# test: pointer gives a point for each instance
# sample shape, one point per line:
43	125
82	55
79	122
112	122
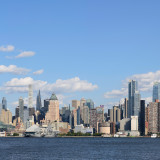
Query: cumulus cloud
116	93
13	69
38	72
26	54
8	48
60	86
145	84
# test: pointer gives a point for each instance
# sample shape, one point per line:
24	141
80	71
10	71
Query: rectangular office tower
156	91
132	88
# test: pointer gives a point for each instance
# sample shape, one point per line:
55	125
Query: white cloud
13	69
38	72
8	48
145	84
25	54
60	86
116	93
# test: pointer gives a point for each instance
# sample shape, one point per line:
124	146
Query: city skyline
87	54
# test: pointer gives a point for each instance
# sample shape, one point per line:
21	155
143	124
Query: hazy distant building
53	109
4	103
30	96
82	104
38	102
75	104
156	91
90	104
132	88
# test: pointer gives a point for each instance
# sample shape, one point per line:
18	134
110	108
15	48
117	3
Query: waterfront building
17	112
90	104
96	116
146	119
134	123
82	129
112	128
38	102
154	117
104	128
111	115
142	118
132	88
53	109
125	124
156	91
4	103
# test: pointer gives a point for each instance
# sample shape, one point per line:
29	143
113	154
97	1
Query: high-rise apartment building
82	104
53	109
156	91
132	88
142	118
21	109
38	102
154	117
86	115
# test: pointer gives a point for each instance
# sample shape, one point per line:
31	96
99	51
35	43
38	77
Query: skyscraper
137	104
4	103
156	91
90	104
132	88
53	109
154	120
30	96
21	109
38	102
75	104
142	118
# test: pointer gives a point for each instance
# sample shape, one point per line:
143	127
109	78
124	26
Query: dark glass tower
38	103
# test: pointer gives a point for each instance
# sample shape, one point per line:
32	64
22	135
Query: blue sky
103	43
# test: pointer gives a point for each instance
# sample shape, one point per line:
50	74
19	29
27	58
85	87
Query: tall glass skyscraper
156	91
132	88
90	104
21	109
38	103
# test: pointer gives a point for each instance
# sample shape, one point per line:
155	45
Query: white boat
154	136
116	136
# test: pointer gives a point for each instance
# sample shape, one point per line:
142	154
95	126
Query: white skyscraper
30	96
